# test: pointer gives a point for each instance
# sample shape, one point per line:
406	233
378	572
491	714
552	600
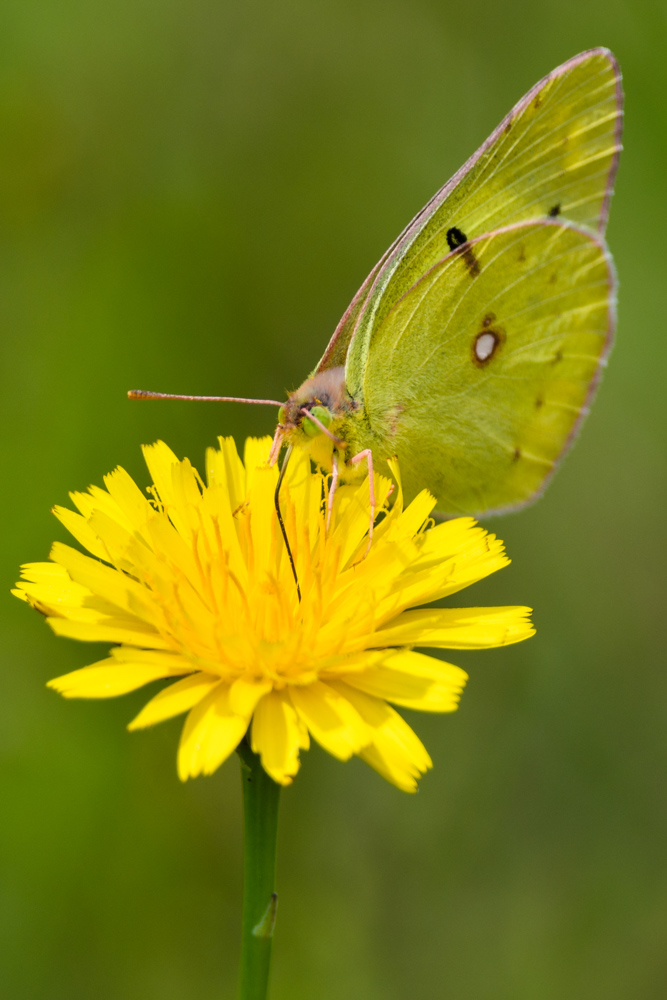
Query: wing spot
554	211
558	356
458	243
485	346
539	403
488	319
455	238
517	455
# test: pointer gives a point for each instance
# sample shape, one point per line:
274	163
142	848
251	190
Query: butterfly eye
320	413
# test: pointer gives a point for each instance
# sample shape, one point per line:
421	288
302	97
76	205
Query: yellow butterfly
472	349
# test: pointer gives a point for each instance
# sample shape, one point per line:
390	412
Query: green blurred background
190	193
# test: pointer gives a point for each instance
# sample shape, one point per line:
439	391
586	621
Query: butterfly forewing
554	155
477	385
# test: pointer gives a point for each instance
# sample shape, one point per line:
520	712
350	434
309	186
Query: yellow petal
352	516
174	700
225	469
97	499
172	664
331	719
78	527
412	680
116	587
244	695
303	491
408	523
163	466
135	633
456	628
256	456
106	679
50	585
395	752
174	549
277	737
133	503
262	523
337	666
115	537
186	494
210	734
444	562
159	458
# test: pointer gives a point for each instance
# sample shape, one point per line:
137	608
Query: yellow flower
195	583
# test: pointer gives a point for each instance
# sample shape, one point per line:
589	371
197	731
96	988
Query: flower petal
277	736
175	699
244	695
115	587
172	664
134	505
97	499
256	456
264	552
160	458
78	527
352	515
412	680
210	734
409	521
456	628
134	632
107	679
450	557
50	588
330	717
395	751
225	469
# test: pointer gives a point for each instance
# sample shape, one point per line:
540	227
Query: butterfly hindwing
477	382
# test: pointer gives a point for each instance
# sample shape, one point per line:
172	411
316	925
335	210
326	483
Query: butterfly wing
479	376
555	153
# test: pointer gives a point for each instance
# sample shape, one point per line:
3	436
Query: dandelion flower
194	582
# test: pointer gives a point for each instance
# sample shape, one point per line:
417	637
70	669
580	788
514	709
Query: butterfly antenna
276	498
146	394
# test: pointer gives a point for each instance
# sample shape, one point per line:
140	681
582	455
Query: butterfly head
312	415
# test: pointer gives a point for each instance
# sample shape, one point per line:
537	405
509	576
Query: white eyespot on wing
485	345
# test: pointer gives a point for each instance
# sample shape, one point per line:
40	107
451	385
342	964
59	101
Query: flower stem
260	811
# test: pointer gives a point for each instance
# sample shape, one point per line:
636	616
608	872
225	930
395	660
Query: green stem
260	825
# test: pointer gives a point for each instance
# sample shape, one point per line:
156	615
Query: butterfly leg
332	489
368	455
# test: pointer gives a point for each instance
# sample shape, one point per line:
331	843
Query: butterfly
472	350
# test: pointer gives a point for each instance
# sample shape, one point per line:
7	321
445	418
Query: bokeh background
190	193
